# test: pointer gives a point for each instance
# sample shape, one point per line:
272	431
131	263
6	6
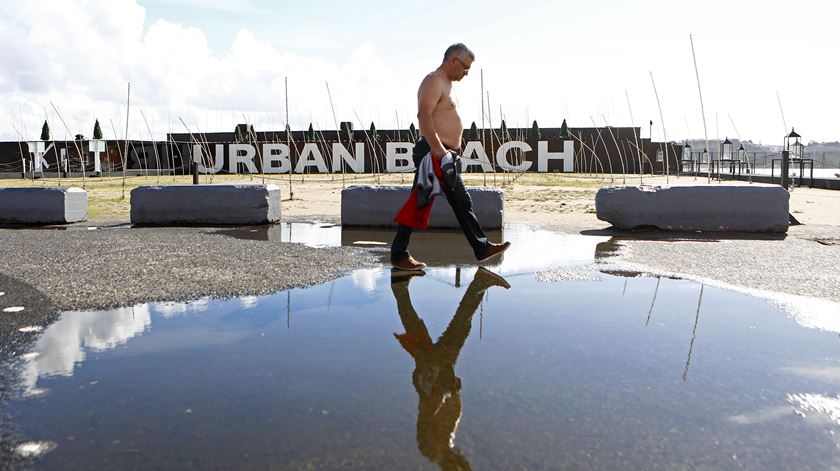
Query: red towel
412	216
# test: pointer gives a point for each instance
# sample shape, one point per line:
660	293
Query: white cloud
65	343
81	56
540	63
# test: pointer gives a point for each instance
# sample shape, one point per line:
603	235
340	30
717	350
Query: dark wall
597	150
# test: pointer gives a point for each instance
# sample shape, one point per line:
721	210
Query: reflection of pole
625	287
658	279
481	320
693	334
329	295
288	310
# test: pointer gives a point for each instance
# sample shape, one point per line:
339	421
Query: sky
206	65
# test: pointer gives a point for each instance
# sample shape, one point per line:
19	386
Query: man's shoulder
433	79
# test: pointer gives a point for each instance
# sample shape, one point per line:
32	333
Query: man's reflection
439	390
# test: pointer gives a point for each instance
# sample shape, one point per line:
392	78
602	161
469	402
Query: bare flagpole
702	112
664	134
127	109
337	130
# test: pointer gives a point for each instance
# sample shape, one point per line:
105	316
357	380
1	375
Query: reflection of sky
547	366
170	309
534	250
313	235
63	344
827	407
366	279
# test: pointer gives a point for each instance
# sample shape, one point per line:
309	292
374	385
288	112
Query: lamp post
797	150
742	157
686	155
727	154
792	141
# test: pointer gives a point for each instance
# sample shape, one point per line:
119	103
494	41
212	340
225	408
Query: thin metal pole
702	111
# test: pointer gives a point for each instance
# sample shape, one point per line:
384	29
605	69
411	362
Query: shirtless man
441	131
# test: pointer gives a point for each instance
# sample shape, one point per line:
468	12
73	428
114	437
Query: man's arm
430	93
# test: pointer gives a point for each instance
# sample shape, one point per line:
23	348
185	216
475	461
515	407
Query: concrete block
369	205
163	205
736	208
42	205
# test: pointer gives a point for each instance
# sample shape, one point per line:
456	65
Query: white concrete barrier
369	205
737	208
163	205
42	205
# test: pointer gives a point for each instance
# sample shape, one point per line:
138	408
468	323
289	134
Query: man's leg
399	247
461	203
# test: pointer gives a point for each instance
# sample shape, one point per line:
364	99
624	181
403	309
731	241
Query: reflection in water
693	333
62	345
807	311
438	389
313	235
827	407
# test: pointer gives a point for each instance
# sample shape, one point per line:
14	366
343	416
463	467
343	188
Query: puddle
567	367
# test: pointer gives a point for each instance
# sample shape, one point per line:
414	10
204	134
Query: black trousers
461	204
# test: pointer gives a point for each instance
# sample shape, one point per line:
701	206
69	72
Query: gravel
81	268
804	262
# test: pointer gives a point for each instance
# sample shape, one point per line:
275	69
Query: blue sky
214	63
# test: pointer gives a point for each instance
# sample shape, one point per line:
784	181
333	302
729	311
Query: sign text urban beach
390	157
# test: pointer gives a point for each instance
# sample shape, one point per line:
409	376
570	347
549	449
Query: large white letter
311	150
236	159
218	160
475	147
339	152
97	147
269	157
36	148
501	156
392	157
567	156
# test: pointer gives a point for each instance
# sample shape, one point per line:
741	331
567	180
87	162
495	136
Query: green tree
564	131
535	132
97	131
473	135
373	135
45	131
239	137
412	132
310	133
503	132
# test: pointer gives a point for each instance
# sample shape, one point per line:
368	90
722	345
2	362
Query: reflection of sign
278	158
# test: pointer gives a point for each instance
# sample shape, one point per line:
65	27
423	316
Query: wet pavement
551	357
